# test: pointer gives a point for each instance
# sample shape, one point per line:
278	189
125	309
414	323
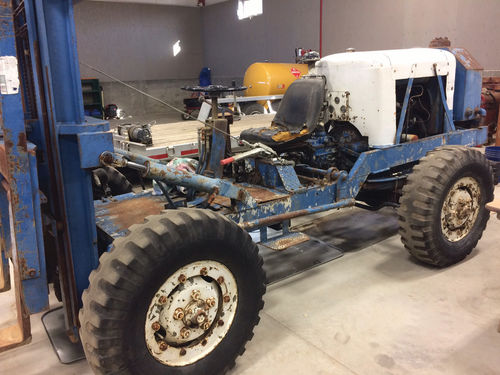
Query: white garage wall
134	41
383	24
231	45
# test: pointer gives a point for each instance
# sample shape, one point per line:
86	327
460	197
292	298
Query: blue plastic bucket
493	153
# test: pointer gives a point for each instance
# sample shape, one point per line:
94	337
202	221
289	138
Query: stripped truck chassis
196	316
293	199
48	216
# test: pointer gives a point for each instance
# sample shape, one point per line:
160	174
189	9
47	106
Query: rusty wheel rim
460	209
191	313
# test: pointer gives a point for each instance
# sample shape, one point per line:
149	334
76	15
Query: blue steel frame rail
311	199
343	192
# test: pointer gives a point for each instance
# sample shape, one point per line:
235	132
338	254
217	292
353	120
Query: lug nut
210	302
185	333
182	278
163	346
220	280
178	314
220	323
182	352
162	300
155	326
205	326
204	271
227	298
195	294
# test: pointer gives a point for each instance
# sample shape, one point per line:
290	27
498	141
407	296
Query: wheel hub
460	209
191	313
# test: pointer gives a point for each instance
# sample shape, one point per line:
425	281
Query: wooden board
187	131
494	206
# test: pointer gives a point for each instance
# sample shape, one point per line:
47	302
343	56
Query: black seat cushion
297	115
273	135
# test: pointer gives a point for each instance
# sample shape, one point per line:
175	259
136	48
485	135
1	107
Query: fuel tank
271	78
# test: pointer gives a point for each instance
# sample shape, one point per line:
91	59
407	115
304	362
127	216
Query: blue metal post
57	40
403	111
449	125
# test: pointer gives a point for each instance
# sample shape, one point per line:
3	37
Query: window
249	8
177	47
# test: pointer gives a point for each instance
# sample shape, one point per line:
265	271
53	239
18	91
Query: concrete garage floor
373	311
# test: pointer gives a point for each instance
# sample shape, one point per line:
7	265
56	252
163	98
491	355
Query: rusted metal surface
460	209
127	212
466	59
491	96
284	242
293	214
17	201
174	176
17	333
491	83
213	195
440	42
222	201
262	195
188	318
3	158
490	101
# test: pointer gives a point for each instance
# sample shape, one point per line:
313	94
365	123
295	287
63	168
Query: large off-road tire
442	214
186	268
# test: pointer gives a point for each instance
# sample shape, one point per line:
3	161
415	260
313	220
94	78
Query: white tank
361	86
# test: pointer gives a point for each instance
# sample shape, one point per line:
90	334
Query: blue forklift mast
46	138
